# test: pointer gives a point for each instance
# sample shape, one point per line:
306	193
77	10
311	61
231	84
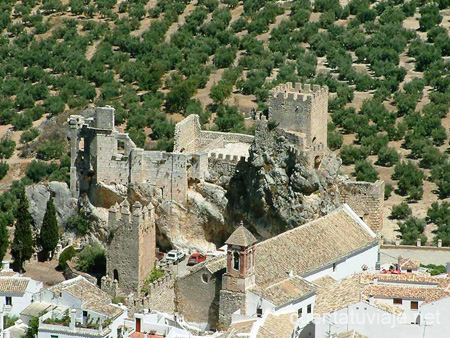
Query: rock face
39	194
280	188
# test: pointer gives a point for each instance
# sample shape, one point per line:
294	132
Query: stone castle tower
239	275
301	109
131	253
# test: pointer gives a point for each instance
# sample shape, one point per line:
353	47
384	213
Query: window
408	270
52	336
116	275
309	308
259	312
8	301
398	301
205	278
300	312
334	267
414	305
236	260
120	147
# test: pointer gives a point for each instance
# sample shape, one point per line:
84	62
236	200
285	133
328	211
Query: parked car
175	256
196	258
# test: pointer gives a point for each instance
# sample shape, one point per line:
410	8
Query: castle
101	155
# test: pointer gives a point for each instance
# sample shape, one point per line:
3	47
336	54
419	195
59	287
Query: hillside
386	65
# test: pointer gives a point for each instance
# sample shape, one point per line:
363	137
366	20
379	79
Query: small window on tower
236	260
259	312
120	147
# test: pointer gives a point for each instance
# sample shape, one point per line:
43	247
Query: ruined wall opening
116	275
317	162
120	147
81	144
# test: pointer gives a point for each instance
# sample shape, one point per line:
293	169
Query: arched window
236	260
316	162
116	275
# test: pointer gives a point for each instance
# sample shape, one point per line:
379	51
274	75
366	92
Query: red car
196	258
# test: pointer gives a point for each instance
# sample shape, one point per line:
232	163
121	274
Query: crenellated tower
301	109
131	253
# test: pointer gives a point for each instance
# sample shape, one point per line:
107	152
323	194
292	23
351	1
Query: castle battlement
299	92
229	158
122	215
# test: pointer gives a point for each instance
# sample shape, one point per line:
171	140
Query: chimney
419	242
73	314
439	243
371	299
5	266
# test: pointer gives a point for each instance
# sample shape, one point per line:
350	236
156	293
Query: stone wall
160	296
366	200
190	138
302	109
198	296
230	302
131	253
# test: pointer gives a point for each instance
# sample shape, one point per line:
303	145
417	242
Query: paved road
437	257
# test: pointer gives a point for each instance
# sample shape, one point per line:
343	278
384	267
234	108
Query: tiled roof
324	281
409	263
242	237
13	284
277	326
239	329
37	309
92	297
407	278
338	295
360	287
312	245
410	292
284	291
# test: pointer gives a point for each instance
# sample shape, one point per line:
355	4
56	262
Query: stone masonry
131	253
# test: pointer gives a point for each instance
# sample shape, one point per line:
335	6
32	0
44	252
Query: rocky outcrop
280	188
39	194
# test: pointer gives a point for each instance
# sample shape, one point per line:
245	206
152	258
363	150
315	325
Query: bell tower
239	275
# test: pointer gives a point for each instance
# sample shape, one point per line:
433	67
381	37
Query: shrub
65	256
388	189
334	140
80	223
29	135
364	171
4	167
92	259
410	180
387	156
50	149
350	154
411	230
7	147
401	211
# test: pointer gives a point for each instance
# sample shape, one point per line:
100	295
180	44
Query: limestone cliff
280	188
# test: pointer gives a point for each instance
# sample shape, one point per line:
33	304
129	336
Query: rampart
190	138
366	200
301	108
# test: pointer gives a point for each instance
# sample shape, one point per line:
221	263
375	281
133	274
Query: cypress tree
22	246
50	230
4	235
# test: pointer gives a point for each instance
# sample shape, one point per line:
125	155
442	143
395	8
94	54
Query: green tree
4	235
401	211
364	171
411	230
22	245
50	229
387	156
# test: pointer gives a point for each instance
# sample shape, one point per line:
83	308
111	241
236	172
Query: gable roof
280	326
311	246
242	237
285	291
13	284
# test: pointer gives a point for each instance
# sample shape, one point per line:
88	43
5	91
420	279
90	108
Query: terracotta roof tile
284	291
409	263
13	284
242	237
348	334
277	326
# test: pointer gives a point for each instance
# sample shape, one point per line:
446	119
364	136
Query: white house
16	292
280	277
73	308
384	305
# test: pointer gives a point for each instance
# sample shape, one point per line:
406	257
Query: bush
387	156
80	224
7	147
388	189
364	171
65	256
410	180
334	140
401	211
4	167
350	154
92	259
411	230
50	149
29	135
39	170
